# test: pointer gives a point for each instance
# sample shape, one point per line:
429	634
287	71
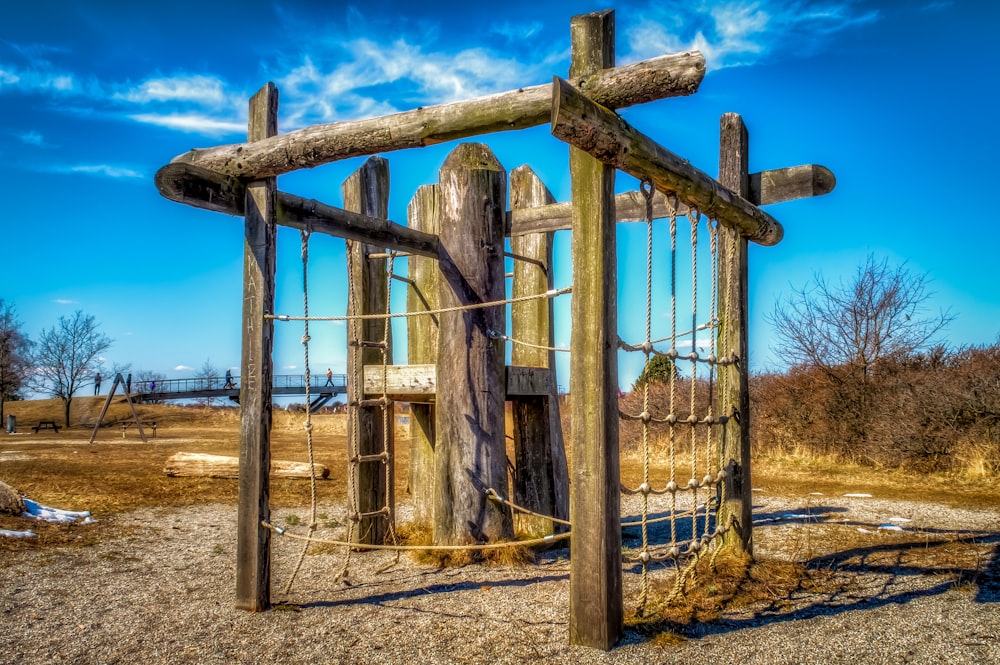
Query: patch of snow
861	530
38	511
890	527
900	520
18	534
858	495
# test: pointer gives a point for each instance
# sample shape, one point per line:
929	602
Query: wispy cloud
31	138
193	123
740	33
517	31
204	90
364	78
64	301
183	368
101	171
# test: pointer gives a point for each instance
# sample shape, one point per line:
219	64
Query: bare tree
209	373
881	313
849	336
15	362
66	355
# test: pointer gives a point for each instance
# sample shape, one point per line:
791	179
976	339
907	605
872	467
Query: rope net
685	438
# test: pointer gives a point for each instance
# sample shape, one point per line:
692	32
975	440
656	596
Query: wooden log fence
457	380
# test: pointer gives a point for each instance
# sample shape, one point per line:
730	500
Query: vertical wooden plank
596	612
367	191
733	256
253	546
470	455
541	480
422	340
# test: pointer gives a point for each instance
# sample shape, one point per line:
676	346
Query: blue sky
895	97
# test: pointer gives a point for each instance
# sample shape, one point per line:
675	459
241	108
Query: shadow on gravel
989	580
875	576
429	589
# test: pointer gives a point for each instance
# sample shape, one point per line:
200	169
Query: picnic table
46	424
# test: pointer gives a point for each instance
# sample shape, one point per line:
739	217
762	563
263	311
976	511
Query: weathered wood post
253	541
735	390
422	339
470	454
596	612
370	445
541	480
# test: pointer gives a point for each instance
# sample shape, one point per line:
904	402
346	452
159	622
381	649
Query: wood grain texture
366	191
605	135
470	454
253	545
596	611
657	78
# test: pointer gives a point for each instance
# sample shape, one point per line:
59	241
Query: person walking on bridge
229	379
329	377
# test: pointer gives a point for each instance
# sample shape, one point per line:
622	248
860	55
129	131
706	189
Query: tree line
867	378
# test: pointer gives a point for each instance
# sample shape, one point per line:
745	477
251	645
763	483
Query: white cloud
103	170
64	301
739	33
364	78
183	368
191	122
203	90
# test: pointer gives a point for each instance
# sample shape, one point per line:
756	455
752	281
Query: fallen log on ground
10	500
222	466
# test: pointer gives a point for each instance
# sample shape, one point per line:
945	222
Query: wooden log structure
605	135
418	383
470	455
201	188
596	615
422	343
202	465
369	432
657	78
253	541
541	476
734	387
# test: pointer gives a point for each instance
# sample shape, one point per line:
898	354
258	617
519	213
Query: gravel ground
158	588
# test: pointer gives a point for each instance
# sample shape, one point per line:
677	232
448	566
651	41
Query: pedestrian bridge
284	384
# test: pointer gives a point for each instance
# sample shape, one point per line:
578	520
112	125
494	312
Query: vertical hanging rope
304	237
646	187
694	216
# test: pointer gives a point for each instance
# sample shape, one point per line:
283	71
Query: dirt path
157	587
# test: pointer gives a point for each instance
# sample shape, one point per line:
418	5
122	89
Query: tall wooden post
734	390
422	340
367	191
596	612
253	541
470	455
541	480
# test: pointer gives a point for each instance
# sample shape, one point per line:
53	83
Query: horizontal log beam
418	383
794	182
658	78
202	188
605	135
766	187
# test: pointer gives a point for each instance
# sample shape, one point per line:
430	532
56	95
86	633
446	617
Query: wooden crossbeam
657	78
202	188
766	187
606	136
418	383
